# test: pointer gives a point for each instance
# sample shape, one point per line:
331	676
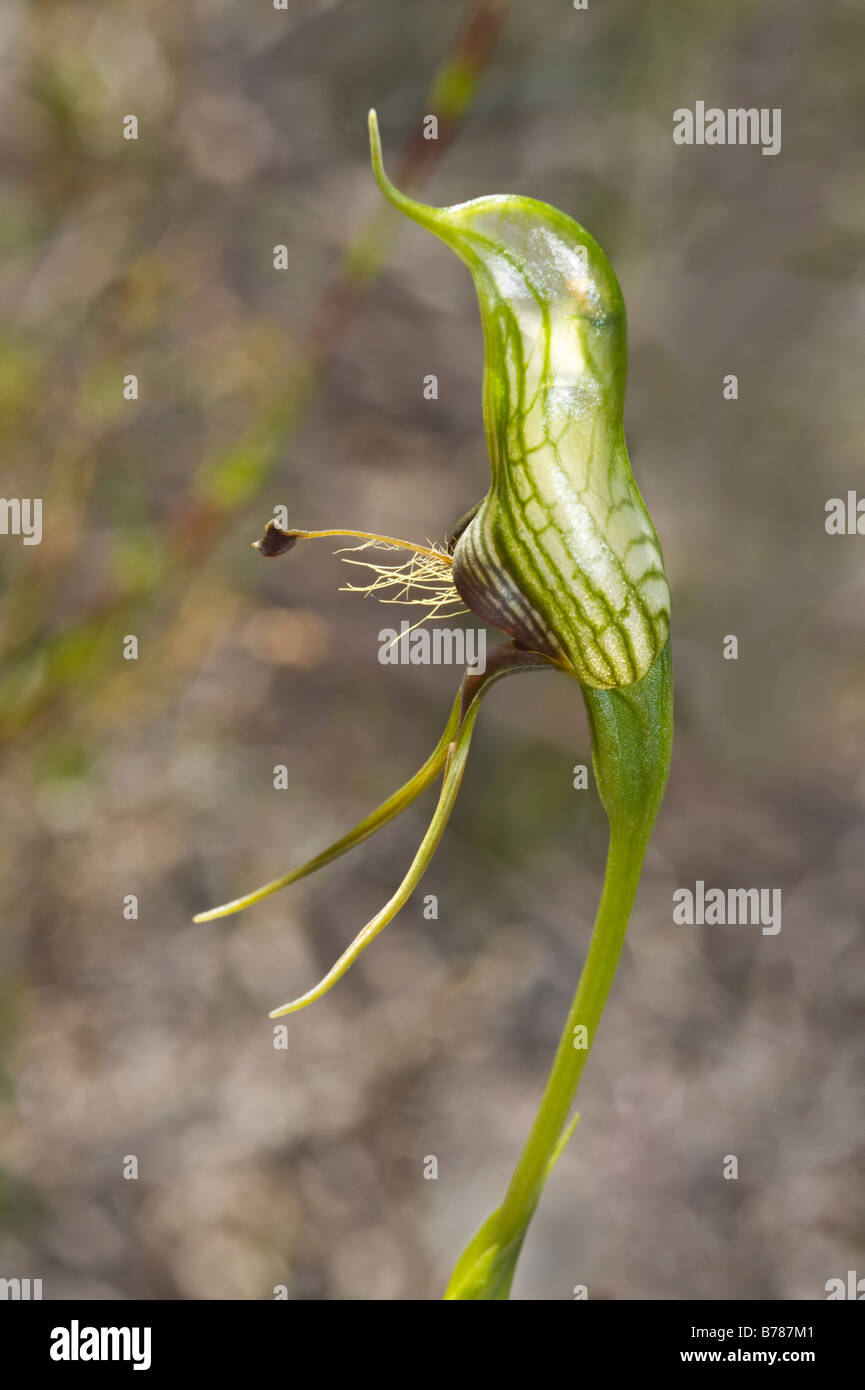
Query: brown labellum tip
274	541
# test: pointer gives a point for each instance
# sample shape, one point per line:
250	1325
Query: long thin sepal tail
386	812
454	768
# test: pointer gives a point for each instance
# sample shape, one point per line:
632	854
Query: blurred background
303	387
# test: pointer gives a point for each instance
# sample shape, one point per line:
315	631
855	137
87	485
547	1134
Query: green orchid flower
562	558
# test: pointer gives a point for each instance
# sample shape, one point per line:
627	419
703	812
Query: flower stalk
631	744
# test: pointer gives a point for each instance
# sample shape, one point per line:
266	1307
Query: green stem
624	866
632	731
488	1264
